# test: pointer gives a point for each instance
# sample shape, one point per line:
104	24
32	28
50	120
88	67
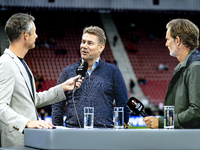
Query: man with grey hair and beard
184	88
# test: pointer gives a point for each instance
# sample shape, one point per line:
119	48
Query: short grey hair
17	24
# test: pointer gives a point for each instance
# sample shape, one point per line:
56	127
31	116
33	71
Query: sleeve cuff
161	122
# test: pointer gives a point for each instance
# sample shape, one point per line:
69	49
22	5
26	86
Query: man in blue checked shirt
102	85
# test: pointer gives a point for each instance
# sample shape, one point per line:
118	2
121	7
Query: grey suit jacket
17	102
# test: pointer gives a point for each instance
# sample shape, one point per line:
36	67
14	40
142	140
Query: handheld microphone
136	106
81	70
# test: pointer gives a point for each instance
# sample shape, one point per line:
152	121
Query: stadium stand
56	36
142	33
144	40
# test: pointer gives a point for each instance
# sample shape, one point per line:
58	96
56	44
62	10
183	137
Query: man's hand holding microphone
68	85
137	107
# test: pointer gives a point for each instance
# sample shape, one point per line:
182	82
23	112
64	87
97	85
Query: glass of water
88	117
118	117
168	117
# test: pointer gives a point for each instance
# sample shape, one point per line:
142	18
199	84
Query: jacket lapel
33	80
23	72
192	56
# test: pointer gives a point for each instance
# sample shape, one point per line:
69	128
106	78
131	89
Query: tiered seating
147	52
145	64
66	32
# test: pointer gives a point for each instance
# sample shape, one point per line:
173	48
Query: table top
111	139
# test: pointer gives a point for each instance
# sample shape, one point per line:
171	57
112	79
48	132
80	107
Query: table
112	139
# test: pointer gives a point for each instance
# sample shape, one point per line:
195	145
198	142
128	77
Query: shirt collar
185	60
93	66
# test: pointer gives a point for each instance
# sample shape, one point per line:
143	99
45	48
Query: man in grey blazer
18	97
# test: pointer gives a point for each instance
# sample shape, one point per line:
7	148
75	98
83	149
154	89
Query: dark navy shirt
30	78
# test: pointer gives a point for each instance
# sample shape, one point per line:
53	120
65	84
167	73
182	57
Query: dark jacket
184	93
98	90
